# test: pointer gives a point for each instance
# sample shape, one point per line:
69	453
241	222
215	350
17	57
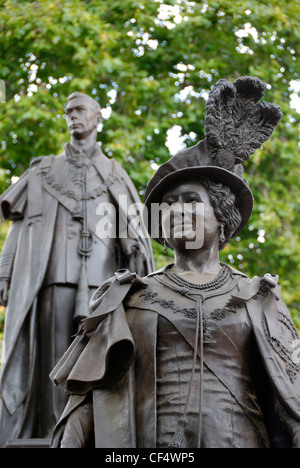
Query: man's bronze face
81	118
194	194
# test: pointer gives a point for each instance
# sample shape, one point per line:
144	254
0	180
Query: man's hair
92	102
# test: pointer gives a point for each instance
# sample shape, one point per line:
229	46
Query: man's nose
73	115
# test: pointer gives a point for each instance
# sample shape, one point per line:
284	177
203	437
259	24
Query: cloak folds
118	341
32	204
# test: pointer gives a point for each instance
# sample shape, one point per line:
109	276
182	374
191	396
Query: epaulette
36	161
45	161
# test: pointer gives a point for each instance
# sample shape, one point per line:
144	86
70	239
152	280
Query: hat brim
244	197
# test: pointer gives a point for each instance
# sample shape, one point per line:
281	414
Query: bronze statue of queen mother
196	354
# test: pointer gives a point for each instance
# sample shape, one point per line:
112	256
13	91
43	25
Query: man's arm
4	285
130	242
7	259
133	251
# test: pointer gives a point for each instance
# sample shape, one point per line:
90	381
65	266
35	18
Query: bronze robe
41	251
114	360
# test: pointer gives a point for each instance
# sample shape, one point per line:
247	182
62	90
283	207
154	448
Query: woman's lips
183	230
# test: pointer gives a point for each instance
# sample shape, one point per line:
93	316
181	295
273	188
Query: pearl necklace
218	282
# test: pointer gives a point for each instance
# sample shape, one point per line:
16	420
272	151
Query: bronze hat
237	122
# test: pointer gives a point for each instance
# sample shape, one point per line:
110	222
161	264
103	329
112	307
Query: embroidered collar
80	158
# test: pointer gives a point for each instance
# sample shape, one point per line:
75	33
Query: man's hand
4	285
131	246
132	250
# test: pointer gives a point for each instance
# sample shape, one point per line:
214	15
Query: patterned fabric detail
190	313
154	299
292	368
97	192
231	307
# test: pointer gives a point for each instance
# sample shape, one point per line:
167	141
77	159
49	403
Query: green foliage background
151	63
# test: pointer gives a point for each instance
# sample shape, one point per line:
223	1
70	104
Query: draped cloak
32	204
114	356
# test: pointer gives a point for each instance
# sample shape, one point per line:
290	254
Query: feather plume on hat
236	123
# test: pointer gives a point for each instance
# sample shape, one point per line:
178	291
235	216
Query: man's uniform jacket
42	249
113	358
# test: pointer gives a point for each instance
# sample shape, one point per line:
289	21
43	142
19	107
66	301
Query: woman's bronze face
195	226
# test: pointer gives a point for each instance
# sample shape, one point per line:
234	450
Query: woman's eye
191	200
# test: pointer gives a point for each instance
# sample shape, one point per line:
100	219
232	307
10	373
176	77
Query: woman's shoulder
246	288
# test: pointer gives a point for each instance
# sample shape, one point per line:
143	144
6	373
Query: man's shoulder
43	161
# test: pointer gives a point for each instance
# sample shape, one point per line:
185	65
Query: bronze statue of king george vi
53	259
196	355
